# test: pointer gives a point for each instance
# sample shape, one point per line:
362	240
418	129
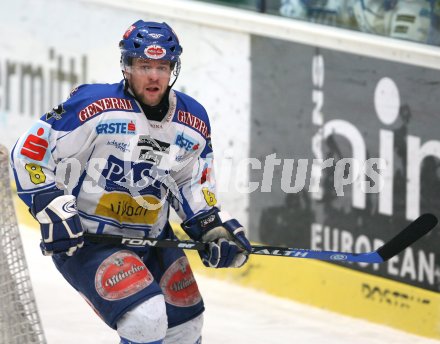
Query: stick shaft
413	232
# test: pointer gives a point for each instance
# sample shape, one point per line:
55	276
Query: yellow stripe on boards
324	285
336	288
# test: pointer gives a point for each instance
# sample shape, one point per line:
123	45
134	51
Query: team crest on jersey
121	275
55	112
179	285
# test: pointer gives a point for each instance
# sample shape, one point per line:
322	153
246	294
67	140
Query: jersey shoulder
88	101
191	113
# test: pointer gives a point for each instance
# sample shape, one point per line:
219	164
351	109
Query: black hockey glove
228	245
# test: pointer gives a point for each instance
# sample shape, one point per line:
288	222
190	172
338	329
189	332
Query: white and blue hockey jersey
124	169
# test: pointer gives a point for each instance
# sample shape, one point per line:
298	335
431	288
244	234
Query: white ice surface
233	314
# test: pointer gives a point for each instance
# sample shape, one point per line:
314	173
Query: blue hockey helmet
150	40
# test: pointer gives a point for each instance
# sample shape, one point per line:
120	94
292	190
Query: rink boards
338	289
237	48
326	286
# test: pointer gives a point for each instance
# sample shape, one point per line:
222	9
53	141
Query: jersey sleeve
55	137
195	179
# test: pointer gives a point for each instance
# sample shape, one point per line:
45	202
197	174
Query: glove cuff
41	200
53	207
200	224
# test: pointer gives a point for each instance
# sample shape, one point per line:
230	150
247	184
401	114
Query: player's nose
153	74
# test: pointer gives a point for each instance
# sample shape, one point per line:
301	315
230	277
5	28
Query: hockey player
112	159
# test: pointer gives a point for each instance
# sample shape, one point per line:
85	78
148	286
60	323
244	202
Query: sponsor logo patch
55	113
186	142
207	221
338	257
70	207
179	286
102	105
124	208
116	126
129	31
129	176
152	150
194	122
121	275
155	52
122	146
155	35
36	143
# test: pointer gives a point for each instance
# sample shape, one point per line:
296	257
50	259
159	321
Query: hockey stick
413	232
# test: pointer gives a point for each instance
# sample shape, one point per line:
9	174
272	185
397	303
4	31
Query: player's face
149	79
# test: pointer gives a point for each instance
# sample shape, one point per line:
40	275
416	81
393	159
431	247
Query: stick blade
413	232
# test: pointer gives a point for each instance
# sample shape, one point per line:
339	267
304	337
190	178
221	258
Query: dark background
282	123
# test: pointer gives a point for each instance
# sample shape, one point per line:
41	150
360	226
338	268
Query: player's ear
125	65
126	71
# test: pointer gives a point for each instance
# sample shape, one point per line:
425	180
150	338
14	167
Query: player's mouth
153	89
